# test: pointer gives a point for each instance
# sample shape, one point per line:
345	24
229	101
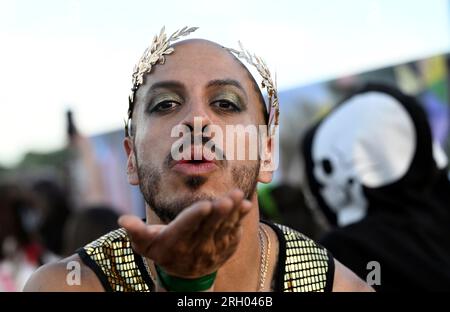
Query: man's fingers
236	196
233	220
220	210
223	210
238	213
134	226
188	221
141	234
239	209
245	208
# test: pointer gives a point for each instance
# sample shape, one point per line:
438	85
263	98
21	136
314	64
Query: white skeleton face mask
369	140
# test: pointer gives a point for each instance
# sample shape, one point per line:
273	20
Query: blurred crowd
44	217
38	225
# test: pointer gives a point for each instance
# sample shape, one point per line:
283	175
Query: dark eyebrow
167	84
226	82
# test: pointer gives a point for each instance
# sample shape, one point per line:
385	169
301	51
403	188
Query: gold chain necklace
264	265
147	268
265	257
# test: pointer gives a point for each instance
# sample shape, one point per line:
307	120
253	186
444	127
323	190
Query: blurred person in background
93	214
375	172
86	183
21	252
87	225
54	209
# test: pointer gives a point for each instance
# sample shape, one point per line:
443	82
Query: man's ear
132	171
268	157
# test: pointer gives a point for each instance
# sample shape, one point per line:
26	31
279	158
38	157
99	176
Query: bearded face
244	177
200	82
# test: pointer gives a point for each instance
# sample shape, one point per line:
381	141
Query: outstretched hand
198	241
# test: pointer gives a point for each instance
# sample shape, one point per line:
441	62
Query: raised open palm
198	242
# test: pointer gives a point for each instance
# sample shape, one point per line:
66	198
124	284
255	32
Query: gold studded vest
303	265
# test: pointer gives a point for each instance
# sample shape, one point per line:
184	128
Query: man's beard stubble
244	177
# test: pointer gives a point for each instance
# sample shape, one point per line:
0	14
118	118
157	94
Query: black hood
394	206
405	183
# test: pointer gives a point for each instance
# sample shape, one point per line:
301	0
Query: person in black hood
374	171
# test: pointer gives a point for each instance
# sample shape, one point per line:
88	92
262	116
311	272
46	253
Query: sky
79	54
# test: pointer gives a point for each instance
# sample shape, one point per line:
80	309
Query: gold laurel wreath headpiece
160	46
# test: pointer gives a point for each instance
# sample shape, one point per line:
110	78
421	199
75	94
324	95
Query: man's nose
197	118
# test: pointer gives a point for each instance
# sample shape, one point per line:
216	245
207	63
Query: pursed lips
198	164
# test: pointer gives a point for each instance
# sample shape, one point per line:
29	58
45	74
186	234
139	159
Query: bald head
198	56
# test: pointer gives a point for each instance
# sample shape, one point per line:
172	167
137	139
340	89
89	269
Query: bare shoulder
69	274
346	280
